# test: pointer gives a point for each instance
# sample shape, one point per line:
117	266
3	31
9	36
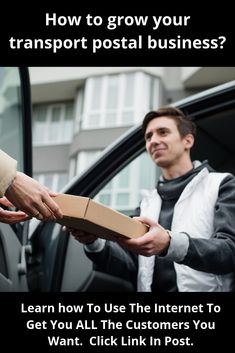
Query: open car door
16	140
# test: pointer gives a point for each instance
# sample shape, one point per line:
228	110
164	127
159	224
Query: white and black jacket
201	255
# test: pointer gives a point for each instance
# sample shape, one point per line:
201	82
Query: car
40	256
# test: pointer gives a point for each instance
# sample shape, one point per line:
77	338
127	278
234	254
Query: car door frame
14	238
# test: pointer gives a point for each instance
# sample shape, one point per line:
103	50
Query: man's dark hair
184	124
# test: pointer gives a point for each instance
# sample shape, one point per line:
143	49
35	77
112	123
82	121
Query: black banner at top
74	36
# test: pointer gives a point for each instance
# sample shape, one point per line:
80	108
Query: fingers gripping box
85	214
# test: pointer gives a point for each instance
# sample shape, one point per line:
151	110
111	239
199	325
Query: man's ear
189	141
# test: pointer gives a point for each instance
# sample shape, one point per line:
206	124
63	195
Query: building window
82	161
52	124
79	109
118	100
54	181
125	190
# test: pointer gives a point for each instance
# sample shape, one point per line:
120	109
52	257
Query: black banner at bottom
73	322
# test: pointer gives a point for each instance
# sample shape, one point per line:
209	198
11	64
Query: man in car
190	245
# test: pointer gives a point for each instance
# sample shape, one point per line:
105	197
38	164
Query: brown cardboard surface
85	214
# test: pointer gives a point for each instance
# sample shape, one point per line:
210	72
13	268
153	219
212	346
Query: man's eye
163	132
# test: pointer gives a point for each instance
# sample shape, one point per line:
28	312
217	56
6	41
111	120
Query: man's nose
155	140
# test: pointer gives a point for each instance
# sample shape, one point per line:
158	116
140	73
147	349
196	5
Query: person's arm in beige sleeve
8	167
25	193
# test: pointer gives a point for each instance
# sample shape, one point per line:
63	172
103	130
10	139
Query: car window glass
11	114
125	190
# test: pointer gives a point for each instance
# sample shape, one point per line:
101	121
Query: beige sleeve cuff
8	167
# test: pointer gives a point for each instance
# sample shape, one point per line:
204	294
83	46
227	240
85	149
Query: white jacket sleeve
8	167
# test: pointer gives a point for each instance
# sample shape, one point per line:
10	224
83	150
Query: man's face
164	143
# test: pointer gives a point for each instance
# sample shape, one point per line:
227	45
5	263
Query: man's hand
154	242
81	236
30	196
11	217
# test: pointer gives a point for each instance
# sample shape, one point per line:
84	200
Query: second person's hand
34	199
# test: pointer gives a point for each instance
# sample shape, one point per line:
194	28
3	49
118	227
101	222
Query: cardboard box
85	214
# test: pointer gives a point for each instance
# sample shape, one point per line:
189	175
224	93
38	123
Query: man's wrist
178	247
165	250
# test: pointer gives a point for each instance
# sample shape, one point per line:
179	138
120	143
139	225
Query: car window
15	139
125	190
11	123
